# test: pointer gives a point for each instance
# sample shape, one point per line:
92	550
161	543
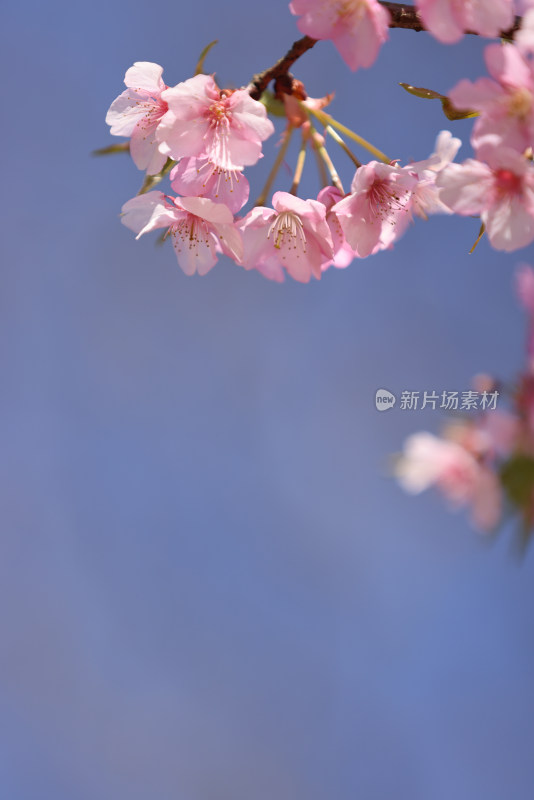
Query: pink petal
464	187
194	176
510	224
477	96
191	97
490	17
254	228
201	257
146	76
202	207
178	138
271	269
421	463
319	18
495	131
507	65
144	149
284	201
250	117
146	212
441	19
125	112
231	241
231	151
353	214
360	43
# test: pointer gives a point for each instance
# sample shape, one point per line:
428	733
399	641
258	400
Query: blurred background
210	588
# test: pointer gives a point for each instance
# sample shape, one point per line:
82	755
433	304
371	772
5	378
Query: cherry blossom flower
378	209
506	103
501	191
428	461
293	235
198	227
343	252
358	28
226	127
447	20
137	113
200	178
425	199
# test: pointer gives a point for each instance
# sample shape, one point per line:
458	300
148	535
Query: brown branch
260	81
402	16
406	16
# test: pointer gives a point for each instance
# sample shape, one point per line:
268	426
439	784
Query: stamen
288	232
384	198
190	232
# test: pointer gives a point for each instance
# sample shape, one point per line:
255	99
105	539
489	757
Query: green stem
323	152
300	163
326	119
153	180
323	177
337	138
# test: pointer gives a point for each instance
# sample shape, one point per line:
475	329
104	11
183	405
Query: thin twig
260	81
300	162
323	152
326	119
320	164
337	138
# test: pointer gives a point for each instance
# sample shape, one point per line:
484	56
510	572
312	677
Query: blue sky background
209	587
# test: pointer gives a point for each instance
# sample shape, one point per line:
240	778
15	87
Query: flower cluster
486	461
203	138
498	184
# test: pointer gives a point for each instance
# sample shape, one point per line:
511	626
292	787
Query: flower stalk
262	197
300	162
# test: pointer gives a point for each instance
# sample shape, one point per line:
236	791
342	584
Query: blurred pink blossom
499	189
428	460
358	28
447	20
505	101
